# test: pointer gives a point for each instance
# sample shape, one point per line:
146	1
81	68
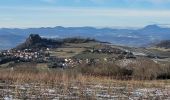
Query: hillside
34	41
88	56
164	44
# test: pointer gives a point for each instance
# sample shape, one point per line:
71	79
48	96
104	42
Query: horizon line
65	26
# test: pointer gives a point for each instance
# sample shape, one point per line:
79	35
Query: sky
75	13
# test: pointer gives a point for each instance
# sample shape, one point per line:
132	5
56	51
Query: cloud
80	16
92	11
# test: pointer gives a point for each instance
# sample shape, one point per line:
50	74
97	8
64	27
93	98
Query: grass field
71	85
75	50
92	56
66	52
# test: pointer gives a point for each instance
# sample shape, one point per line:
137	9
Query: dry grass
139	70
67	77
159	49
25	81
31	72
28	83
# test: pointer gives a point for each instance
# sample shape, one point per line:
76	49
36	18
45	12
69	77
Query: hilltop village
72	52
38	50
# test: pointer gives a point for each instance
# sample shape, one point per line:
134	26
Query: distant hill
128	37
164	44
34	41
10	40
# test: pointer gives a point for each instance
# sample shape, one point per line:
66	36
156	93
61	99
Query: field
66	52
111	79
71	49
71	85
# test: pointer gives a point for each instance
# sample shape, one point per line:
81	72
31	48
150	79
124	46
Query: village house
26	55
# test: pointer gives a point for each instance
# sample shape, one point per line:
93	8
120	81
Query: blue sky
99	13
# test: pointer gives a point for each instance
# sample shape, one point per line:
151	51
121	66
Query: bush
142	70
106	69
165	72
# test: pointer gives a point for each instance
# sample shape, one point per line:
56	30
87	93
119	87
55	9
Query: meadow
58	84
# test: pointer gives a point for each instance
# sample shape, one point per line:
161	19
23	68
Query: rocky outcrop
34	41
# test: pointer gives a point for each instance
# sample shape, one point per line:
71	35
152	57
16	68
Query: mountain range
10	38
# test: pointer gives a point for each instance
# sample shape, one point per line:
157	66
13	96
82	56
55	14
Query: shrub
106	69
143	69
146	69
165	72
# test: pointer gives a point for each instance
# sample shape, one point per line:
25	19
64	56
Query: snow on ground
97	91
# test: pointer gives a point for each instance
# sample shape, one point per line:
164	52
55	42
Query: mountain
152	27
10	40
128	37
